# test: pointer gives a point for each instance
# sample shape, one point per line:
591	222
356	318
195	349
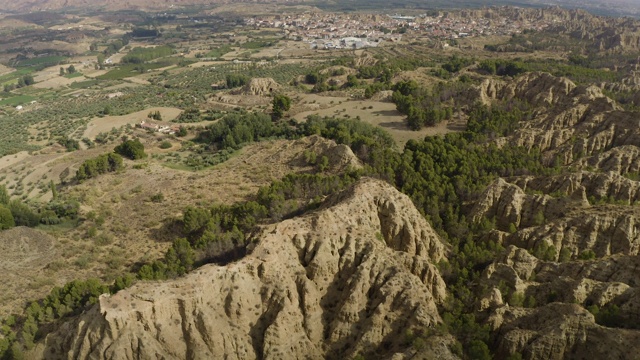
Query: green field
218	52
125	71
42	61
14	75
140	55
17	100
253	45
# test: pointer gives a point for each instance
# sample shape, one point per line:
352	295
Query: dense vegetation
280	104
190	115
100	165
17	213
139	55
419	104
236	80
132	149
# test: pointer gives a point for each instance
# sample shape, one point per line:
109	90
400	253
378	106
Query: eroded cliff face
568	221
560	327
350	278
571	239
560	331
567	122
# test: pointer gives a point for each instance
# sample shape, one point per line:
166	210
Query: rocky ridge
567	122
569	222
559	328
566	285
349	278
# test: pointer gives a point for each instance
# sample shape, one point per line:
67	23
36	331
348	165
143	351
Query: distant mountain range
599	7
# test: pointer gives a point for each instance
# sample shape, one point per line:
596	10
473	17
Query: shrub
281	103
6	218
132	149
587	255
157	198
102	164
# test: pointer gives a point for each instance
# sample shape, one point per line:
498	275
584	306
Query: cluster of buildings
343	43
165	129
333	30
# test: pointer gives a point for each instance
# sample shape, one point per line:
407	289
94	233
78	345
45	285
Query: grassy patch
14	75
17	100
42	61
216	53
140	55
129	70
258	44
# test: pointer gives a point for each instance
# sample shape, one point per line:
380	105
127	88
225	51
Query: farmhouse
165	129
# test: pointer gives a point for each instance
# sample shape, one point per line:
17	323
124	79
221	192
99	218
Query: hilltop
292	181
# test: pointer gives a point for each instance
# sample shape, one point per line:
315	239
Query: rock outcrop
260	86
560	327
566	122
347	279
559	331
568	222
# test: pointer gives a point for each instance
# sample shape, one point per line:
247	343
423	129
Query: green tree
352	81
4	195
62	72
314	78
530	302
281	104
194	219
132	149
6	218
516	299
28	80
54	191
236	80
587	255
478	350
23	215
565	255
323	164
538	218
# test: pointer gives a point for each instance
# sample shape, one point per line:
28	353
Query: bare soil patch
24	253
127	227
382	114
9	160
103	124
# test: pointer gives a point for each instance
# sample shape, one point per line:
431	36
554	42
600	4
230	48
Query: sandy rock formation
555	329
260	86
567	121
341	157
384	95
600	186
559	331
568	223
509	204
349	278
623	159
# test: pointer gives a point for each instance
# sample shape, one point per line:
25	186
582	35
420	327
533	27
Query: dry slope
347	279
